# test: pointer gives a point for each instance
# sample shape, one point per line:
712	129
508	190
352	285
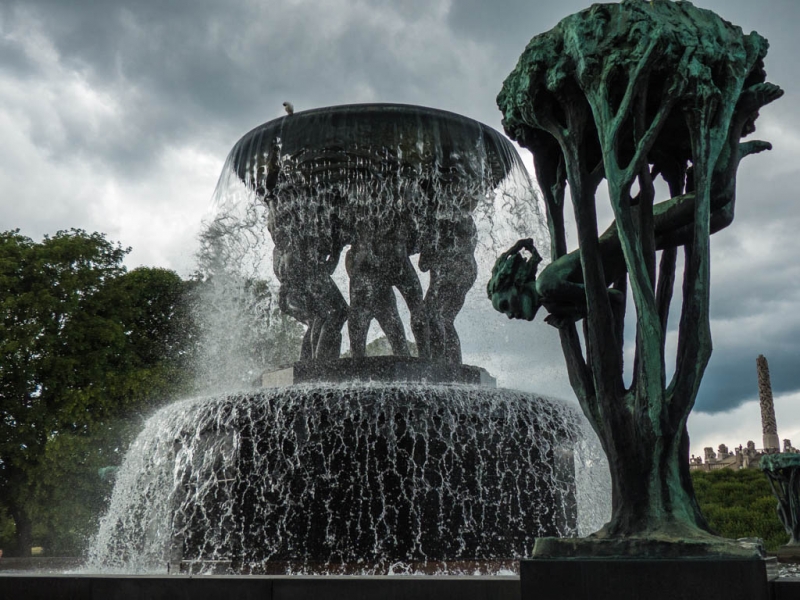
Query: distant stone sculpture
626	92
768	423
750	457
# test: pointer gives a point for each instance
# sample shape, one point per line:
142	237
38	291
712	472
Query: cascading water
358	476
338	478
320	187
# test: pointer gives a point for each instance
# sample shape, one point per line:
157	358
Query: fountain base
364	477
471	568
134	587
647	548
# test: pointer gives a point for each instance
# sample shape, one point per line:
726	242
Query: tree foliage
82	342
155	307
740	504
87	349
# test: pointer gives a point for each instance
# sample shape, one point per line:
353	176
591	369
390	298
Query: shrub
739	503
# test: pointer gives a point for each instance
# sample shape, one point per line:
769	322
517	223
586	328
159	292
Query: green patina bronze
783	473
626	92
778	462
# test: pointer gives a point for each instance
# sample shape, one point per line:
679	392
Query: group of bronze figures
323	202
377	261
380	184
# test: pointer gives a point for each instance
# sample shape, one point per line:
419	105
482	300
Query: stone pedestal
211	587
788	554
644	579
771	442
378	368
646	569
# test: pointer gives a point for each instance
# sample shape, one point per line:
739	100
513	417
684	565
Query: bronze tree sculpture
626	92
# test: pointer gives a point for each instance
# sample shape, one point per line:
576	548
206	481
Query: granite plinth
378	368
648	548
785	588
650	579
137	587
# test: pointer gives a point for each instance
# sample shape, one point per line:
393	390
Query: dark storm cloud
753	313
14	62
111	48
731	379
188	69
114	85
509	25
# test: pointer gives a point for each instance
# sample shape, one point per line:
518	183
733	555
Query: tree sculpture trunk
626	92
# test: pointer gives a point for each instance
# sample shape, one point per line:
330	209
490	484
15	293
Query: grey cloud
730	378
201	73
14	61
509	24
179	68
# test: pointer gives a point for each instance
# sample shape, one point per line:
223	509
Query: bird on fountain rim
289	108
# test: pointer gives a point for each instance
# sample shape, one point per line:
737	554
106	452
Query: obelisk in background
768	423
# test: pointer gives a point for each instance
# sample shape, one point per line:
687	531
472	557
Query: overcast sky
117	116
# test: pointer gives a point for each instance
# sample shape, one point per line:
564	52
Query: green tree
75	477
155	307
71	484
82	342
58	340
740	504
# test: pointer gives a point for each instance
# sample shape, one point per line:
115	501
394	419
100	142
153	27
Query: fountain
359	464
350	470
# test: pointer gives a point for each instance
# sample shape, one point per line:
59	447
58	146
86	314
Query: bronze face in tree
626	92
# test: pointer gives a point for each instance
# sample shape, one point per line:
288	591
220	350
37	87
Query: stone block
182	587
650	579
